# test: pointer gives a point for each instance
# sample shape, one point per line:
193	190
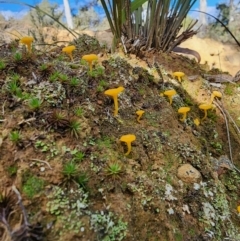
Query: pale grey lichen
108	227
53	93
68	206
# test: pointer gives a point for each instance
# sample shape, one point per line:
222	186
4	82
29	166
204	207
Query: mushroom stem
71	57
138	119
212	98
129	147
90	66
170	99
29	48
184	117
205	115
115	100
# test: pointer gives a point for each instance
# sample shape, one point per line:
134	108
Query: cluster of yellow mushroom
207	106
184	110
89	57
114	94
27	40
129	138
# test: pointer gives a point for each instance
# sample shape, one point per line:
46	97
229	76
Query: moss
229	89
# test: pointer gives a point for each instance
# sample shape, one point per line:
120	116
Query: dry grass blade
227	127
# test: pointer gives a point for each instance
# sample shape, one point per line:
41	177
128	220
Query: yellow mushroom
214	94
170	94
179	75
114	94
128	139
90	58
196	122
68	50
139	114
205	108
183	110
238	209
28	42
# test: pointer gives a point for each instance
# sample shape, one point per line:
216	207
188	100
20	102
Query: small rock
42	169
187	173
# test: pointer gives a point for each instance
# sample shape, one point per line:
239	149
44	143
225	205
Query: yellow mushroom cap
90	57
217	93
140	112
68	49
205	106
128	138
170	92
26	40
178	74
114	92
183	110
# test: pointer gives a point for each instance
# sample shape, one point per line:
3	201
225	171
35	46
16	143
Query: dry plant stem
3	120
229	116
234	123
3	111
27	121
228	134
21	205
43	162
125	49
7	234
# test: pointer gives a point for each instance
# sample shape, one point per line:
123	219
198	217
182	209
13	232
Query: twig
4	224
3	111
42	162
229	116
6	236
234	123
3	120
228	135
27	121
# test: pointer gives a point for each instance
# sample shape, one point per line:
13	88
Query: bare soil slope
60	146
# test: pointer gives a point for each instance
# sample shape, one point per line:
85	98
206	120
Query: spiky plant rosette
156	26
